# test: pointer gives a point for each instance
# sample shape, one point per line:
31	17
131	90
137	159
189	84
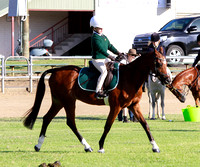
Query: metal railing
2	67
30	74
57	33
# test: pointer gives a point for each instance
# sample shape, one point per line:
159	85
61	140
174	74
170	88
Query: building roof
52	5
87	5
4	7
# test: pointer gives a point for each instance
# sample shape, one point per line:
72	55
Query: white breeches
100	65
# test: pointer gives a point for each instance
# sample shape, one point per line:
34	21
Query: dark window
176	25
196	23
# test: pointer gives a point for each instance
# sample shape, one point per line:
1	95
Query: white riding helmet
95	21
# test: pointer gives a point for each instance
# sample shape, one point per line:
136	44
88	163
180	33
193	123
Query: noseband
179	95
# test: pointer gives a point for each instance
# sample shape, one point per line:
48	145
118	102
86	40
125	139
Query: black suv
178	37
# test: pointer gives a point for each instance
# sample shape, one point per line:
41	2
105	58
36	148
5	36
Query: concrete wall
5	35
39	22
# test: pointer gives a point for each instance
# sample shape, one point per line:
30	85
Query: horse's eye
158	64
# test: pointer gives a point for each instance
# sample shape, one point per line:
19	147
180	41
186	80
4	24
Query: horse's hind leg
54	109
163	105
70	111
137	112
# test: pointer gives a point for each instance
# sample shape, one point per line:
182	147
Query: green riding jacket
100	45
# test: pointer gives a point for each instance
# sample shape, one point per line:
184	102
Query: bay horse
189	78
65	91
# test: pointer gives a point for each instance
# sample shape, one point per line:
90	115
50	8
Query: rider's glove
111	57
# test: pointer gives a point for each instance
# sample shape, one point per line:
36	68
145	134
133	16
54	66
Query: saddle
88	77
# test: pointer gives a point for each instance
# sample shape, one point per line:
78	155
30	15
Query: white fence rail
29	74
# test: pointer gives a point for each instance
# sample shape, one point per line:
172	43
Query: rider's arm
112	48
196	59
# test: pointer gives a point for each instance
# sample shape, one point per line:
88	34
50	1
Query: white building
123	20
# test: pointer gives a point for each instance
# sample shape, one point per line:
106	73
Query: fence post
2	73
85	62
30	65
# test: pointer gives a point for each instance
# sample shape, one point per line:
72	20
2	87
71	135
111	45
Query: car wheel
175	50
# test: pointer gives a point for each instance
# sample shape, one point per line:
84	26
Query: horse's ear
161	50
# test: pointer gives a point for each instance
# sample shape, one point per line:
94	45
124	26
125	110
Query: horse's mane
140	60
183	73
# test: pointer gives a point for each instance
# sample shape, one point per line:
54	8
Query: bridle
185	93
158	65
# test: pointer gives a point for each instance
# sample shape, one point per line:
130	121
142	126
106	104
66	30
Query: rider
155	43
198	56
100	45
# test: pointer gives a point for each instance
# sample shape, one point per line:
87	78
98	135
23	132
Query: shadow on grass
182	130
79	118
21	151
91	118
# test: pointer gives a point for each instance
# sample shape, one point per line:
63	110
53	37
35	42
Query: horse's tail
31	114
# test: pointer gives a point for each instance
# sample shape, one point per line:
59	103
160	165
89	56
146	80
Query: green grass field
125	145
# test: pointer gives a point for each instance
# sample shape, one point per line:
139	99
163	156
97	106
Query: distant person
156	44
198	56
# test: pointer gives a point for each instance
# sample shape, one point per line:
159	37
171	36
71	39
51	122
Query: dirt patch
16	101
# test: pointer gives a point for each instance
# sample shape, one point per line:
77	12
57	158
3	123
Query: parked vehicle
178	37
42	51
36	51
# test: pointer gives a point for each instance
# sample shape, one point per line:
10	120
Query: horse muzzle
181	97
165	80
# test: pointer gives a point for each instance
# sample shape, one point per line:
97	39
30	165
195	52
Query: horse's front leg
137	112
197	102
196	98
153	105
111	117
157	105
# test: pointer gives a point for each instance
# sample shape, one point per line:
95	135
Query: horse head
177	93
160	68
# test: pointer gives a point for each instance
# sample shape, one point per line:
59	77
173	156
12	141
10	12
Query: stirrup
100	95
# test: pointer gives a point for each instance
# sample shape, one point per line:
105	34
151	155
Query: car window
196	23
176	25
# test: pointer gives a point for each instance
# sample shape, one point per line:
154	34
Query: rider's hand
119	57
111	57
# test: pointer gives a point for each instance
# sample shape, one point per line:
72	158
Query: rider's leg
100	65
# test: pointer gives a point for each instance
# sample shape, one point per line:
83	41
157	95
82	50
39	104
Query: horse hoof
156	150
37	149
88	149
101	151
